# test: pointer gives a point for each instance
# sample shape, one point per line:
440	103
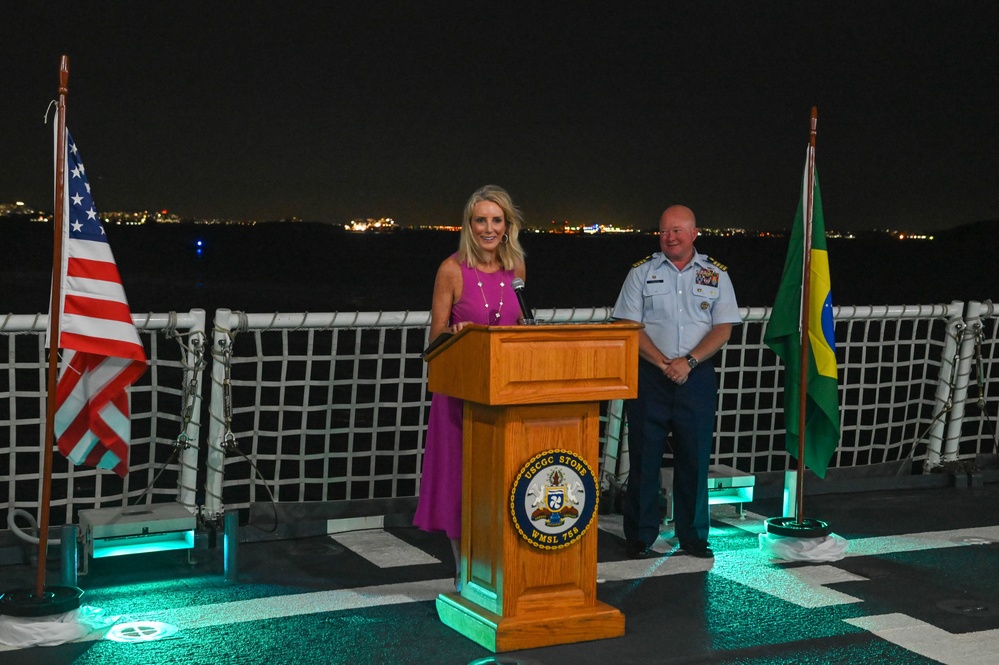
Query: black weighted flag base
792	527
28	603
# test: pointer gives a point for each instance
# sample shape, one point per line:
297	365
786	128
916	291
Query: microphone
518	288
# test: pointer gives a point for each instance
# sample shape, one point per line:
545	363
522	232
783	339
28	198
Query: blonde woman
473	285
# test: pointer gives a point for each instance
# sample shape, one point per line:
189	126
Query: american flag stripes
102	353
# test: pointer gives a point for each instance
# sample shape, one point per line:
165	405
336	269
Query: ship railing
331	408
323	407
166	416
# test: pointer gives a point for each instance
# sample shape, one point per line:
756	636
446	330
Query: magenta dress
439	506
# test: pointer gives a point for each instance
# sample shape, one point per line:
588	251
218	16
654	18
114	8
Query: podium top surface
538	364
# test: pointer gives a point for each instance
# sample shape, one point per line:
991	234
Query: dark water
314	267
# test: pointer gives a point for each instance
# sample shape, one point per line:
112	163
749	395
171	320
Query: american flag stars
83	221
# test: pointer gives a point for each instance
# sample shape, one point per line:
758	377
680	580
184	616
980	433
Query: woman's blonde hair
509	253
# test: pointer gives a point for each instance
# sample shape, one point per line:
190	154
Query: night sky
591	112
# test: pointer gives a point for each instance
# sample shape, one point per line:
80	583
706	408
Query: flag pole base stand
28	603
790	526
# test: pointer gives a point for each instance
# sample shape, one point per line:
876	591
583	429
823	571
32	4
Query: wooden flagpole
806	288
797	526
55	312
49	600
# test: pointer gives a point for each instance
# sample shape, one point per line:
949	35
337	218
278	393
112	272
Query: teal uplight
143	544
136	530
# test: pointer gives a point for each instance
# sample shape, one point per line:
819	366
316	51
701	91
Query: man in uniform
688	306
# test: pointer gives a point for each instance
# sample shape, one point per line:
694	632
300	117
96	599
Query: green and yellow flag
783	336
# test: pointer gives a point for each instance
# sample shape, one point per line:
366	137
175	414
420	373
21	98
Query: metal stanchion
231	544
70	555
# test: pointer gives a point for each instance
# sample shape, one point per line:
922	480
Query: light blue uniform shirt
678	307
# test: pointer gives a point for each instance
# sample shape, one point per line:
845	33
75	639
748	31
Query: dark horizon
318	268
650	228
590	114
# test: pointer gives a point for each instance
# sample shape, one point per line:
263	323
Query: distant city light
380	224
21	210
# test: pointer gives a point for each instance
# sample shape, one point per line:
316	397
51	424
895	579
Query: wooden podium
530	391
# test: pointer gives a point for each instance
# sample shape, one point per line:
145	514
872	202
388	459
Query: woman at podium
473	285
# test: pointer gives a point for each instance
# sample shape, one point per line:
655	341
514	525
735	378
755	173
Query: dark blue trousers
688	413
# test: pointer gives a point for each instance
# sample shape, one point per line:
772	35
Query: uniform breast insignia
720	266
706	277
638	263
554	499
706	285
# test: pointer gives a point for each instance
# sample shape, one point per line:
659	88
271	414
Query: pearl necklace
482	291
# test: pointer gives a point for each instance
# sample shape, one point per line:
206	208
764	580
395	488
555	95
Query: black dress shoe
700	549
638	550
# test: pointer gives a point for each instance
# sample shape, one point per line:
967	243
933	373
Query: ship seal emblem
554	499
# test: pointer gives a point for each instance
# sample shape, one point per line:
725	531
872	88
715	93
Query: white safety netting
331	407
157	421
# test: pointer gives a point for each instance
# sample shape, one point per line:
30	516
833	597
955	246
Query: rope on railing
220	434
976	312
944	402
193	362
187	443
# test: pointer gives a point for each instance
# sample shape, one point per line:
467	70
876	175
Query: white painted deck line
802	585
928	640
383	549
273	607
929	540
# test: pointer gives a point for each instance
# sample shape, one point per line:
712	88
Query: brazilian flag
782	335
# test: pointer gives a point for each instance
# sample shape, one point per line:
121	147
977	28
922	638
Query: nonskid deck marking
804	586
799	585
790	586
928	640
383	549
193	617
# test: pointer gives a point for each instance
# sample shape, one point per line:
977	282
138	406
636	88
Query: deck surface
918	585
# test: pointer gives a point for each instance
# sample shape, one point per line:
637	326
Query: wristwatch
692	361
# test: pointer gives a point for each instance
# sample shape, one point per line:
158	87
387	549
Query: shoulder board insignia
715	263
638	263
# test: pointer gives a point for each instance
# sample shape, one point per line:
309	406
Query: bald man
688	306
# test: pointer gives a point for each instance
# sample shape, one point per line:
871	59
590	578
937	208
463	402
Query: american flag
102	353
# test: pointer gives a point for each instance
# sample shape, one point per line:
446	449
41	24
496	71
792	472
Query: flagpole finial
814	122
64	75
